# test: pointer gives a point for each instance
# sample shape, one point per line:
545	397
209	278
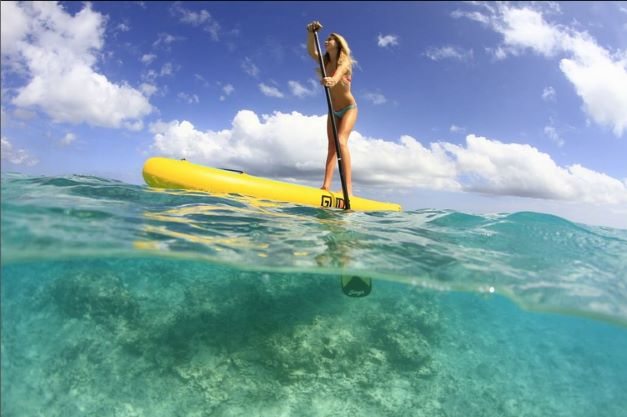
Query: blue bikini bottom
340	113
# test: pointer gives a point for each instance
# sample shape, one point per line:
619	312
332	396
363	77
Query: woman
338	63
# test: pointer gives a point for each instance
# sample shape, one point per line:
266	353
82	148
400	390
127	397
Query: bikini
340	113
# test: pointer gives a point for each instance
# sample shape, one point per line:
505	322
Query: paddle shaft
347	204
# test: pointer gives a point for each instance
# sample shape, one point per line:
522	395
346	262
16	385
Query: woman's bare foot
324	188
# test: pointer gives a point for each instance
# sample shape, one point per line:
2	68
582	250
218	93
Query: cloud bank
293	146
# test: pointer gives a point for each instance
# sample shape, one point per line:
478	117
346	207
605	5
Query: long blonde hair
343	52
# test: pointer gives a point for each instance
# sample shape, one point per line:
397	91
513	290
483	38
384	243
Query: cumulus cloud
202	80
598	76
375	98
493	167
122	27
249	67
201	19
449	52
148	58
165	40
387	40
58	52
67	139
148	89
16	156
301	91
188	98
228	89
293	145
552	134
548	94
270	91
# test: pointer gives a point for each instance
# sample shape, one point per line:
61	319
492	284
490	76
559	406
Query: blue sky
480	107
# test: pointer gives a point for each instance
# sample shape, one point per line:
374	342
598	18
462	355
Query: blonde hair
343	52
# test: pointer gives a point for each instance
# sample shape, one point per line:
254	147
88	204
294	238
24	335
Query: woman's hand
328	82
314	26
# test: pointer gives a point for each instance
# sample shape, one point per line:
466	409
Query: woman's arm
311	46
343	67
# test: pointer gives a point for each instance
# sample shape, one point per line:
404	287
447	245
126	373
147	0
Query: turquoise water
118	300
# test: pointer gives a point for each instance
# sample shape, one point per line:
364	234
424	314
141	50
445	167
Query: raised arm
311	42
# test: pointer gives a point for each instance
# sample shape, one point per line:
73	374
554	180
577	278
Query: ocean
121	300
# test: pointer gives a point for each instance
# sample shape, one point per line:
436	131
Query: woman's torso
341	95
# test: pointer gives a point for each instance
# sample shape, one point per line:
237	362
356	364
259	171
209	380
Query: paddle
355	286
347	204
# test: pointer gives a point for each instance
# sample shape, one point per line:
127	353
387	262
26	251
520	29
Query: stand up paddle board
181	174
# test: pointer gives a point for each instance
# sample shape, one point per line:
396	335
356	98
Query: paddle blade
355	286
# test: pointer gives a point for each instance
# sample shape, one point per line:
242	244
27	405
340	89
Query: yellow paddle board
181	174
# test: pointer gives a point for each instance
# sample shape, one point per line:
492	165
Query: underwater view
122	300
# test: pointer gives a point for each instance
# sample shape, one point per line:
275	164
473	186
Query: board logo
339	203
326	201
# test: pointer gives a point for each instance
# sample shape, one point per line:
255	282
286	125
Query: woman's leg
331	157
344	128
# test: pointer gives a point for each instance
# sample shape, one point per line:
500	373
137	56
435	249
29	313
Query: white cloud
15	26
457	129
188	98
449	52
202	79
552	134
598	76
387	40
24	114
600	82
513	169
548	94
476	16
228	90
301	91
526	28
148	58
123	27
294	146
499	53
148	89
16	156
67	139
375	98
59	52
164	40
166	69
199	19
270	91
249	67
